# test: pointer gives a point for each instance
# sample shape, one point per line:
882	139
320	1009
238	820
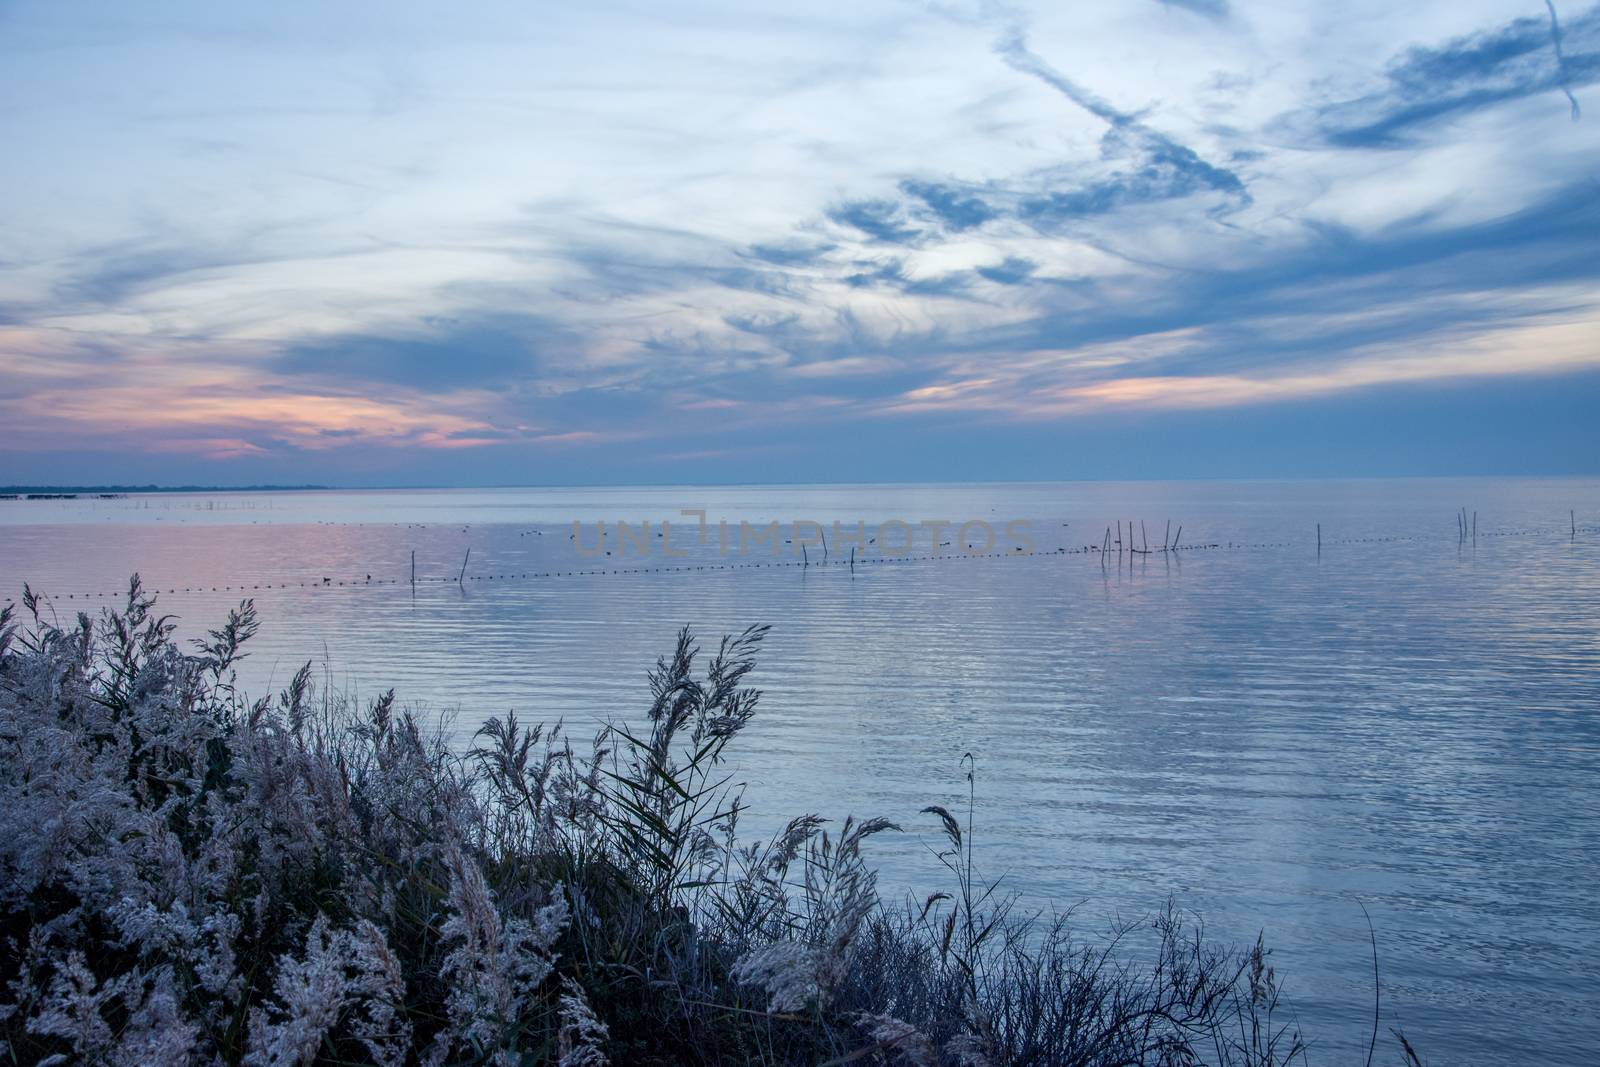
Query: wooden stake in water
1319	538
1166	536
413	568
462	577
852	559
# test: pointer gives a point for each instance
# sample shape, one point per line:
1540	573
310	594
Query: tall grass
188	876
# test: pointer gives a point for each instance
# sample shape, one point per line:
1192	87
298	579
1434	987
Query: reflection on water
1267	735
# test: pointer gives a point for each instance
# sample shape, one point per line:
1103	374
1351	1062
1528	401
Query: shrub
187	876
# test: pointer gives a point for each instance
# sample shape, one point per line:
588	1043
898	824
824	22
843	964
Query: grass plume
189	876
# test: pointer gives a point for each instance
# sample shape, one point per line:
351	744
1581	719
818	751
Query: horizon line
11	490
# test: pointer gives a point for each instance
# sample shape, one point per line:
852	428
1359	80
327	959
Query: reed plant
191	876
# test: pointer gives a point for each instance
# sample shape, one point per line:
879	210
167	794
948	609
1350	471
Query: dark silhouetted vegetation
188	876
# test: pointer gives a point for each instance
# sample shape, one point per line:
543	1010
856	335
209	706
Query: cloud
793	254
434	353
1150	165
1552	347
770	324
1561	60
1165	171
1013	270
1429	84
884	272
210	447
849	366
1212	9
1043	213
956	208
1514	295
880	220
121	273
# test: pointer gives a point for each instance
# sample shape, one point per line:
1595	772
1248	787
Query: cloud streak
1427	84
476	244
1561	60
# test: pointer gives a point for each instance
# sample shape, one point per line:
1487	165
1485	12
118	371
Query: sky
486	244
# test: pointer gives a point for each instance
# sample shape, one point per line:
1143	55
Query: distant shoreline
61	490
89	490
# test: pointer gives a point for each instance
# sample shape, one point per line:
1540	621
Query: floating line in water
864	561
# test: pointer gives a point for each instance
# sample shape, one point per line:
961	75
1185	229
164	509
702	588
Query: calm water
1266	735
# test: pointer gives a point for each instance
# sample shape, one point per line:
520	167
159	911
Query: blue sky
505	243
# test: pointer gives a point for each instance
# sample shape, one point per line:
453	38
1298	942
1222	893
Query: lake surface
1267	734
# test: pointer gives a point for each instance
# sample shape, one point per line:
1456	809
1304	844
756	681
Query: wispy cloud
1428	84
879	220
1211	9
1562	76
435	352
492	238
